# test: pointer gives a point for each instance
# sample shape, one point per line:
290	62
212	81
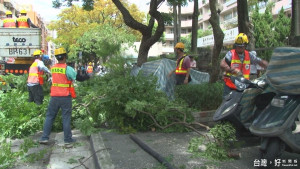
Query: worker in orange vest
183	66
237	61
35	78
90	69
62	92
23	21
9	21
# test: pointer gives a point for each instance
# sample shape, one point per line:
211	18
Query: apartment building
36	19
228	21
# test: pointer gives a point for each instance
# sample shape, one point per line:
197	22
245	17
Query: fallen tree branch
184	123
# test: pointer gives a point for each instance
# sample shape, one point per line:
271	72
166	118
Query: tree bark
295	25
214	20
175	25
195	27
146	30
244	24
179	23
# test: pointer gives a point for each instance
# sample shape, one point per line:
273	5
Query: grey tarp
283	72
161	68
282	75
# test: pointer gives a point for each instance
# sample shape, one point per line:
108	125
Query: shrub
205	96
20	118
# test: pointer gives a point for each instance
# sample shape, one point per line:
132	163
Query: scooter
276	126
237	107
277	123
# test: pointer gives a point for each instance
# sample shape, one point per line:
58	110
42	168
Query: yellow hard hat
23	11
60	51
179	45
241	39
37	53
8	13
90	63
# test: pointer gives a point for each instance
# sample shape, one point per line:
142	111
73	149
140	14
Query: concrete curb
101	154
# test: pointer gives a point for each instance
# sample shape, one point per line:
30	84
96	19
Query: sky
48	13
42	7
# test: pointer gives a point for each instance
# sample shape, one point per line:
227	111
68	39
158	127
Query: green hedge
207	96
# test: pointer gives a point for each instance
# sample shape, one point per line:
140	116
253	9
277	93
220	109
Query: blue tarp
161	68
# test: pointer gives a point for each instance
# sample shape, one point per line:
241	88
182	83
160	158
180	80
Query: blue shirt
71	73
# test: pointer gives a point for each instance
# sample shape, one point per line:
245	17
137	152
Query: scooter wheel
274	150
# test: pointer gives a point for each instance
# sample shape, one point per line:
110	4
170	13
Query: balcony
230	21
228	3
204	3
187	23
200	17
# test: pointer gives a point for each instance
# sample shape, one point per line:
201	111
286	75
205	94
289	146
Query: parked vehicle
277	123
17	47
233	107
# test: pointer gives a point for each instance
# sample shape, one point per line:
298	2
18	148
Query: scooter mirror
261	83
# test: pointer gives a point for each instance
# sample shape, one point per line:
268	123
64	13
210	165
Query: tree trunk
243	16
244	24
195	27
295	25
146	30
214	20
175	25
179	23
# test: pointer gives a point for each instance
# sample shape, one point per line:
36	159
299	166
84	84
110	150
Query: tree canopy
148	38
74	24
270	32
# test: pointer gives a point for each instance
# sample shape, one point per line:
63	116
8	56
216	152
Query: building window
171	30
234	14
189	30
227	17
201	26
183	31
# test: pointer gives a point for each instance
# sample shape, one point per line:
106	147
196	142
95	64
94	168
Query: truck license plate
20	51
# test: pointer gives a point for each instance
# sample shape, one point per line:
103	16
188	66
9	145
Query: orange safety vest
179	69
237	64
9	23
22	22
35	76
90	69
61	86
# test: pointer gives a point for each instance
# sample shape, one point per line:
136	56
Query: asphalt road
126	154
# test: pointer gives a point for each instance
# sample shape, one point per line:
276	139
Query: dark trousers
36	94
180	79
